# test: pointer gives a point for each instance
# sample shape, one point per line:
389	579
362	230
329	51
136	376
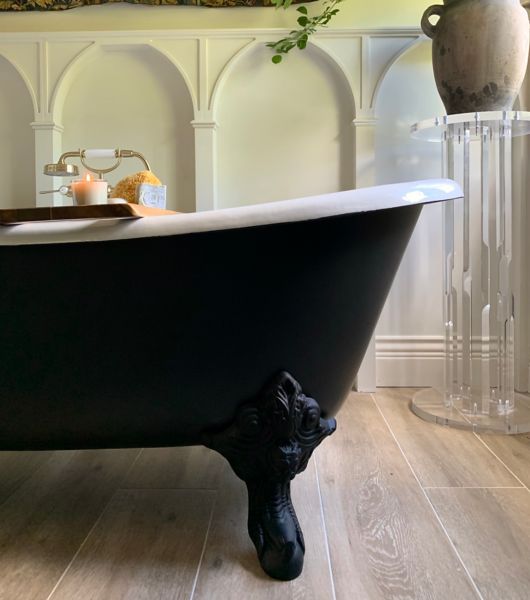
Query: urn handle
428	28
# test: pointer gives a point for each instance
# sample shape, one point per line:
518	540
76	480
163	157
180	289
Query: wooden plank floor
391	507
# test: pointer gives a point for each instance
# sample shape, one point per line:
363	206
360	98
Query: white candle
89	191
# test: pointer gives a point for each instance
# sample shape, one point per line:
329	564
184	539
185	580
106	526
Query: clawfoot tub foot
267	445
274	529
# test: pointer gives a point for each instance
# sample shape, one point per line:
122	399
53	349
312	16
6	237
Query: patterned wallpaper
24	5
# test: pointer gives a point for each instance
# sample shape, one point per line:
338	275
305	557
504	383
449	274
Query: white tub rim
286	211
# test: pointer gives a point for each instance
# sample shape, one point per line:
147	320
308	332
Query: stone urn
479	52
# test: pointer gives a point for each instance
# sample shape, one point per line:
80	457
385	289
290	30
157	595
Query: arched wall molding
340	69
346	51
337	65
88	55
26	80
225	74
185	76
101	39
393	60
66	79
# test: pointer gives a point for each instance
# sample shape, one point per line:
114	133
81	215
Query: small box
151	195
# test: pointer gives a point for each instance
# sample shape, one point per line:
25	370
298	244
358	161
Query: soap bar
150	195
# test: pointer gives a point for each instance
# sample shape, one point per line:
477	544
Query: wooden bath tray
17	216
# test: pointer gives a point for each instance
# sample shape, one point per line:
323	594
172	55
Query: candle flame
87	177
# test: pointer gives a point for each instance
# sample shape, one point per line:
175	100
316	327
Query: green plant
298	38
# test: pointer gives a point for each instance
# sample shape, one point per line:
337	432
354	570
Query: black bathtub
202	329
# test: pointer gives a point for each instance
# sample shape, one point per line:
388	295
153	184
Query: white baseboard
409	361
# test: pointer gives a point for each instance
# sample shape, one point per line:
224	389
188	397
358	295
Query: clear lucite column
478	231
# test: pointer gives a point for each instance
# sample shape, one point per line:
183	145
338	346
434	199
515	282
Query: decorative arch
336	64
408	48
314	83
183	73
75	67
225	74
68	76
26	81
340	67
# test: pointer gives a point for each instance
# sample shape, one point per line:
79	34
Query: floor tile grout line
324	526
437	516
132	465
82	545
502	462
203	551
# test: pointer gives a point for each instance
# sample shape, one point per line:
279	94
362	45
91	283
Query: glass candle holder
89	191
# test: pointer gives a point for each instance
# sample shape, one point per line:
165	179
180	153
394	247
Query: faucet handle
64	189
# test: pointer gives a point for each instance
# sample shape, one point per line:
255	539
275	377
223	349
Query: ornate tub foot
269	443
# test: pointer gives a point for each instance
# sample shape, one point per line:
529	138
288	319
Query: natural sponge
126	187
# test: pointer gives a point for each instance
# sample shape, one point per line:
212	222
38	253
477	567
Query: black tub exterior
153	341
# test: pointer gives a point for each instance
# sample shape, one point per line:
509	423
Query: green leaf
307	26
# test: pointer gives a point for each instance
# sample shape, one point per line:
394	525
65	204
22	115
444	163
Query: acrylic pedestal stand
480	268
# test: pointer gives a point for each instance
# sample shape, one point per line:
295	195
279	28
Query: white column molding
365	121
48	148
205	164
364	127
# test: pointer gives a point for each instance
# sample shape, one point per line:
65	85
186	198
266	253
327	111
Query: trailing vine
298	38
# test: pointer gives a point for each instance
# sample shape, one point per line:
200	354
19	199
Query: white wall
17	155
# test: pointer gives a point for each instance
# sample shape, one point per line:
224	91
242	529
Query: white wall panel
284	130
17	147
